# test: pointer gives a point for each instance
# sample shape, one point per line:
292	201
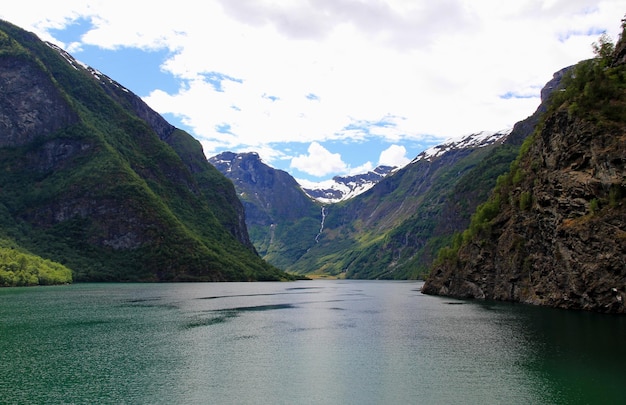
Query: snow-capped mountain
341	188
477	140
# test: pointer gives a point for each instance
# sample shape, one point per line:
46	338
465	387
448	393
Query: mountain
92	178
393	229
477	140
418	240
282	220
553	232
292	230
381	233
341	188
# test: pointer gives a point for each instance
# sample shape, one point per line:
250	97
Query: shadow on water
215	297
261	308
196	323
224	315
142	300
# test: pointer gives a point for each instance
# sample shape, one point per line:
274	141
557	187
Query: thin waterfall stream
321	225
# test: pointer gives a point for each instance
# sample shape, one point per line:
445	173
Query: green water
317	342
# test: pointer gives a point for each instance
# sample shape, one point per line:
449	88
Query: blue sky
328	87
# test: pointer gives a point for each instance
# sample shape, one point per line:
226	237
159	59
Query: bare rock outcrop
30	106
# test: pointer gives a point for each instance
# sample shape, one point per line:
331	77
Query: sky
321	88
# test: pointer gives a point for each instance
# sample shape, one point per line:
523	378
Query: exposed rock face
270	196
557	252
559	238
30	106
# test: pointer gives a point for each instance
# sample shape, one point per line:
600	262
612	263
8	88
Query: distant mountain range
342	188
386	224
337	227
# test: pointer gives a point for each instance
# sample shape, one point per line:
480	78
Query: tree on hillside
604	48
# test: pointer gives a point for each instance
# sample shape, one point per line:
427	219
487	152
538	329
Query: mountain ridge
395	228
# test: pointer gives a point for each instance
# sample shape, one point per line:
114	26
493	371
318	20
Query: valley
97	183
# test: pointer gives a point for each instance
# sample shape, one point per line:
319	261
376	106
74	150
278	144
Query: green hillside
88	182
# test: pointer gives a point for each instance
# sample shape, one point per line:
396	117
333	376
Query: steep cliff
215	188
93	178
554	230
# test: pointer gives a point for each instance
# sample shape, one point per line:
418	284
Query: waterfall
321	225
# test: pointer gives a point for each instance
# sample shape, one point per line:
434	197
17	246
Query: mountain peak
341	188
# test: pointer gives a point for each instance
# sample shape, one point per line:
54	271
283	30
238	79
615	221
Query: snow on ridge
477	140
220	161
68	58
94	72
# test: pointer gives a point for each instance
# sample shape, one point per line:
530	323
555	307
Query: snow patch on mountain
341	188
478	140
224	161
76	64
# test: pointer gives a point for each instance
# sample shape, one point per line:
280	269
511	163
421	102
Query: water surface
317	342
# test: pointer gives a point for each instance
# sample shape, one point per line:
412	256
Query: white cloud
319	161
364	168
395	155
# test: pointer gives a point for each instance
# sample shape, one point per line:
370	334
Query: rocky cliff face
30	105
554	231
